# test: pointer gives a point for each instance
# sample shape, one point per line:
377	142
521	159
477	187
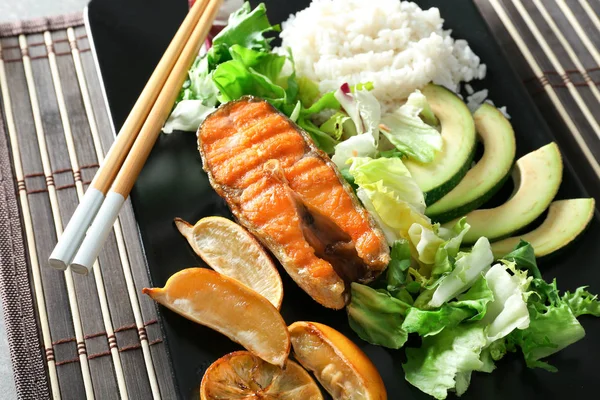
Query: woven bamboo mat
98	336
554	46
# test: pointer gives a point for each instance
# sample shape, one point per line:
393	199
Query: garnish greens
468	312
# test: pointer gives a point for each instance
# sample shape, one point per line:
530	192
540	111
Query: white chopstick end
97	234
73	235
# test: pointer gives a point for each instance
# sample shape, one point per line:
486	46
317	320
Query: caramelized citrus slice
227	306
341	367
241	375
231	250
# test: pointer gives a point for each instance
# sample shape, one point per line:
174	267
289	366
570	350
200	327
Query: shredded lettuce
406	129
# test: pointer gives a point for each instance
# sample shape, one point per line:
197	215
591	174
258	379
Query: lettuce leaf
549	331
356	146
308	91
553	319
392	174
582	302
523	256
234	80
266	64
470	306
438	246
187	116
376	316
553	325
426	242
199	84
406	130
246	28
509	310
390	194
321	139
239	63
467	268
397	270
364	110
334	126
445	361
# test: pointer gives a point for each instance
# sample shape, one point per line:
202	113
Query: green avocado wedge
487	176
537	177
566	220
458	134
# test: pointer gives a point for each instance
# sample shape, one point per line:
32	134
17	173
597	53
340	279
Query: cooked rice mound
391	43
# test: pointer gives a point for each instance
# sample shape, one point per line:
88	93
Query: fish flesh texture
290	195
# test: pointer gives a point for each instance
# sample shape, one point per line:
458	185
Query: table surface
12	10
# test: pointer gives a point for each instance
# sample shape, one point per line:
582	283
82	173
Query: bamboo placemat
554	46
70	336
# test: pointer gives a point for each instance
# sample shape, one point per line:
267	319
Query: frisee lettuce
502	308
554	323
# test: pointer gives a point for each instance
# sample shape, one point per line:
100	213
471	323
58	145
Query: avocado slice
451	164
565	221
487	176
537	176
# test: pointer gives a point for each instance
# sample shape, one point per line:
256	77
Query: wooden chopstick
131	168
75	231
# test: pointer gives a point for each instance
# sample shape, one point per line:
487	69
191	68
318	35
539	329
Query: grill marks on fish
288	193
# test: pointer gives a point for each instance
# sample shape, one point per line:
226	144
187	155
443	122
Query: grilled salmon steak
290	195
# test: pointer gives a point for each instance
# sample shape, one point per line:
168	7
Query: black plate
130	37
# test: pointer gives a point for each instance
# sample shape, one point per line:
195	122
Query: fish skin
274	179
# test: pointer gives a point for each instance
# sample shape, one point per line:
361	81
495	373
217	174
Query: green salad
470	305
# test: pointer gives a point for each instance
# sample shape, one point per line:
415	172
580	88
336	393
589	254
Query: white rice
391	43
476	99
